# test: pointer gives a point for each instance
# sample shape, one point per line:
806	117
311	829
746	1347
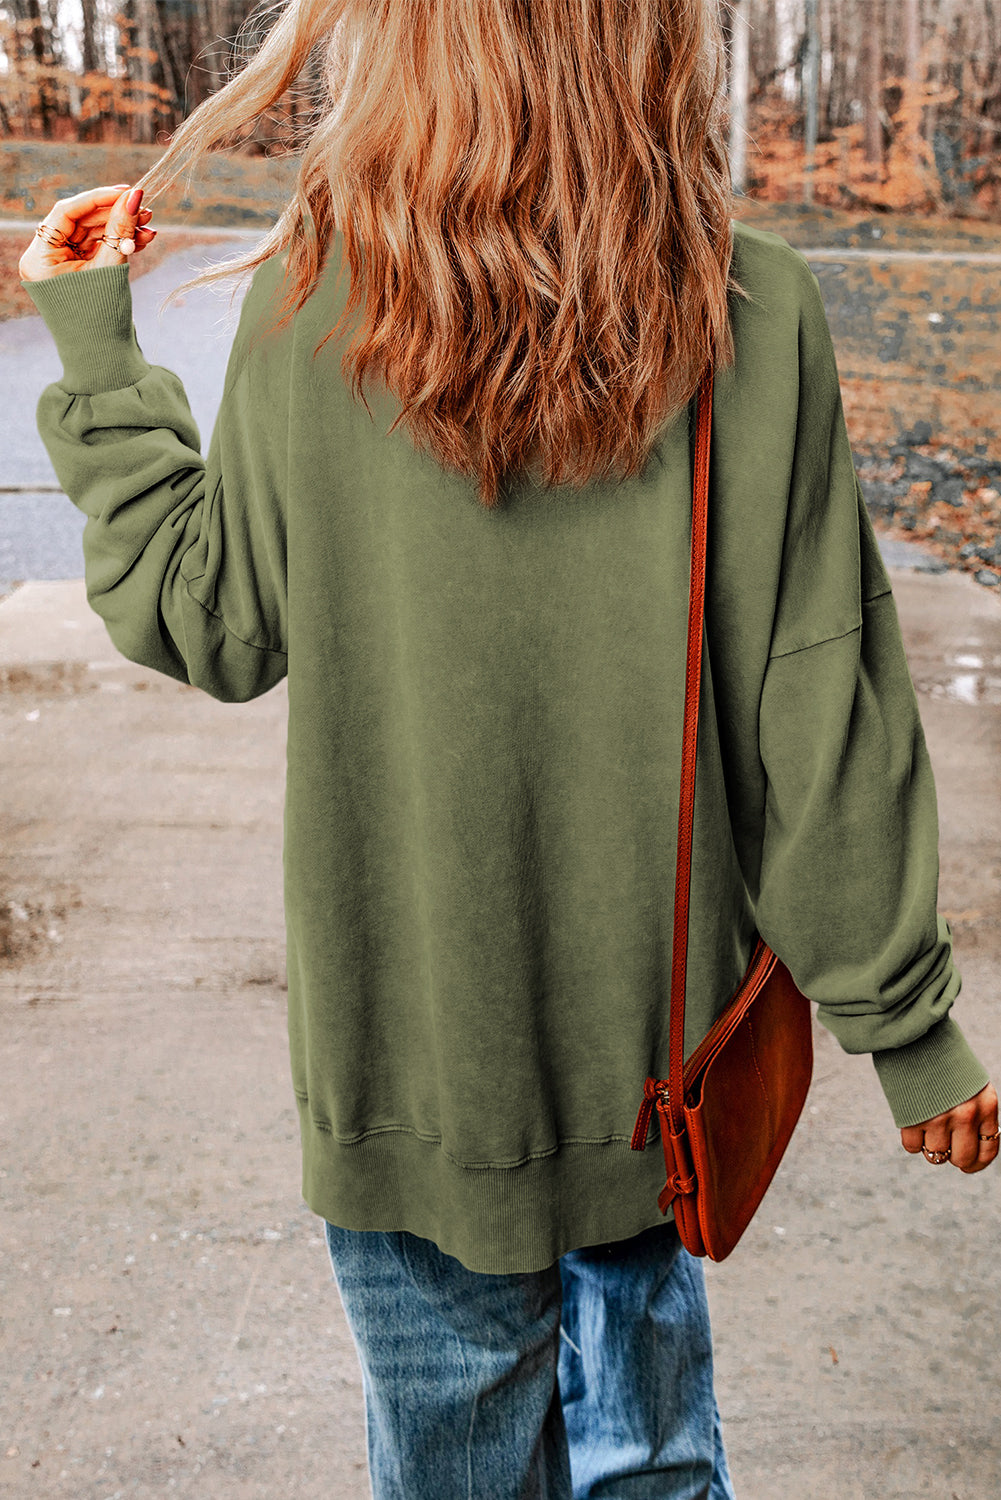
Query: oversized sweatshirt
484	740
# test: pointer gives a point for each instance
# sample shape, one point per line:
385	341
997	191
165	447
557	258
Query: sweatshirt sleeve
184	556
849	876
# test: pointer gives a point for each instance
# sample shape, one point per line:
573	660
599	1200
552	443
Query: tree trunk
811	89
39	50
144	44
912	41
740	77
89	36
764	43
872	83
163	48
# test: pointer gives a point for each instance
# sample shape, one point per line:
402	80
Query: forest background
868	131
876	104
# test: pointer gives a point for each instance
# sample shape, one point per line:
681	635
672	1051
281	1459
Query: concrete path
170	1321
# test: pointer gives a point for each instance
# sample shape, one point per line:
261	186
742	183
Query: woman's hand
75	233
966	1136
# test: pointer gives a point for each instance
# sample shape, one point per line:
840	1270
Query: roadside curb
51	641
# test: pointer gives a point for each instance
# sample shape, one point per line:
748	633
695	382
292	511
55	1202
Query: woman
482	621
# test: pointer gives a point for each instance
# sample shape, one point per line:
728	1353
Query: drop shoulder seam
796	650
268	650
841	636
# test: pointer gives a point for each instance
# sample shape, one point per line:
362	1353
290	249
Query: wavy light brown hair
535	205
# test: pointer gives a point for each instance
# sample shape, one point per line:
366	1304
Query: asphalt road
40	529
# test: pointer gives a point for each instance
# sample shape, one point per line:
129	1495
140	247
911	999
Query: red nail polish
133	201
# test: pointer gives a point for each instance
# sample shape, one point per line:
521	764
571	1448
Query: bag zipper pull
654	1093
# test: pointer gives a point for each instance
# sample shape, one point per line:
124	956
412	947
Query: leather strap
686	804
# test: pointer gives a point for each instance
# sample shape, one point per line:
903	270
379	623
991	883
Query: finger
960	1125
937	1144
965	1147
986	1155
41	259
118	240
93	233
988	1141
912	1138
97	218
66	212
144	238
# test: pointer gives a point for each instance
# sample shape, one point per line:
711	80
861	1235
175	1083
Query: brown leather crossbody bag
726	1116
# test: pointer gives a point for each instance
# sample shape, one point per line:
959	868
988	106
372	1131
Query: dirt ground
244	191
231	190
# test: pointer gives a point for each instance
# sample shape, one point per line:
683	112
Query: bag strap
686	804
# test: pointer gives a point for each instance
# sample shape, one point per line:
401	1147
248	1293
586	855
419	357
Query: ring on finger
936	1157
993	1137
119	242
55	237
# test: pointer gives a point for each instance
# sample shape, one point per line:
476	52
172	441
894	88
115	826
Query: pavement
170	1323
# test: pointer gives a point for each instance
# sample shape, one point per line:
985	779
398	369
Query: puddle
968	676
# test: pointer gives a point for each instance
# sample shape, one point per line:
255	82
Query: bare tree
740	81
811	90
872	83
89	35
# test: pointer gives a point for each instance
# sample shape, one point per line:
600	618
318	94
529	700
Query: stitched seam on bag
754	1059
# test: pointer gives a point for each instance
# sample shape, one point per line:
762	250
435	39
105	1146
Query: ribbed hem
928	1076
498	1220
89	314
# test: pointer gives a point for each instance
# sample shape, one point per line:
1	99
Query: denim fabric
590	1379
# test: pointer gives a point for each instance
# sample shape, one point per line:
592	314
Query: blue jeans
592	1378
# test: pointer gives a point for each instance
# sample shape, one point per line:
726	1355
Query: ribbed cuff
928	1076
89	314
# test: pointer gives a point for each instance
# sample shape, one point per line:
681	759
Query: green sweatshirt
484	748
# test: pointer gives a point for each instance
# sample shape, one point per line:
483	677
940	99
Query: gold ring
936	1157
118	242
991	1137
45	232
61	242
